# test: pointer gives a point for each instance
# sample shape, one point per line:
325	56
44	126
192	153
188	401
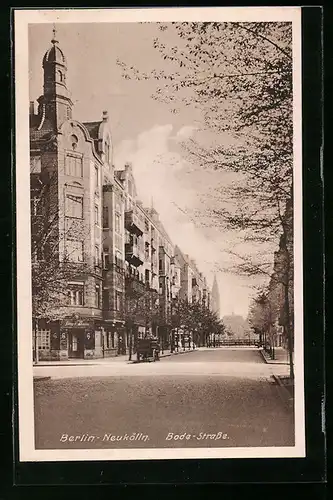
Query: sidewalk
105	361
281	356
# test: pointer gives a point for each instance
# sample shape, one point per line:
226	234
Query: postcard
159	233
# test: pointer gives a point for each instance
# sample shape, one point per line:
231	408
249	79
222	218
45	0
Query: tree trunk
289	332
130	343
286	306
35	337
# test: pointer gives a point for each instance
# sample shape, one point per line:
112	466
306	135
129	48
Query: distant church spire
215	297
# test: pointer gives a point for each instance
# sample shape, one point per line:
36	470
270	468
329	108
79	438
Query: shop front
114	340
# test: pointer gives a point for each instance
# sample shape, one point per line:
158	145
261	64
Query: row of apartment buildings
125	269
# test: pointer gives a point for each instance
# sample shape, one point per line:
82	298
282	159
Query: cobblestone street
219	398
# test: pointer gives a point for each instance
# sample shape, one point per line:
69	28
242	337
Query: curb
270	361
284	394
103	363
263	355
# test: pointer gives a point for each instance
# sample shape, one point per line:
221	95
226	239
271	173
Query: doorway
76	344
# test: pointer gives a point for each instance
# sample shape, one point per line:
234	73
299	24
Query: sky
145	133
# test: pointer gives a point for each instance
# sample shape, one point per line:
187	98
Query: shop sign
76	323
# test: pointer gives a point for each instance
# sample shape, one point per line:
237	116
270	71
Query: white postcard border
22	18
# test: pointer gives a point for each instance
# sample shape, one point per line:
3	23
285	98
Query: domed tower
55	104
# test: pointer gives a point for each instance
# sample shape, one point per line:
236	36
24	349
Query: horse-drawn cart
148	350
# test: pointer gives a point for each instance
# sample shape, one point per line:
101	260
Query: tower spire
55	103
54	38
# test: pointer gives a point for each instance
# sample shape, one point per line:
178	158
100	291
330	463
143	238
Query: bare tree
239	76
51	268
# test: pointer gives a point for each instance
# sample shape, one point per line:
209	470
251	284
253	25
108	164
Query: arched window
74	141
60	76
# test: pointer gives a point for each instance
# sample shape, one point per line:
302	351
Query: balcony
133	254
133	223
134	287
113	316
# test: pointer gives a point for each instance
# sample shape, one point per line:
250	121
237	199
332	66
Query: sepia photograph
159	233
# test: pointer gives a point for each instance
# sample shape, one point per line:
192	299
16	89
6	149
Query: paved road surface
219	398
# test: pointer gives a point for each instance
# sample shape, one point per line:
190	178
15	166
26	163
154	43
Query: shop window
44	340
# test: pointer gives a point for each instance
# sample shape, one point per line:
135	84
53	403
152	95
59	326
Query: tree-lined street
221	397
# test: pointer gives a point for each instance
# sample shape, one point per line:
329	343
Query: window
96	176
147	275
160	264
44	340
146	226
36	206
35	165
76	295
74	206
147	253
107	152
73	163
105	217
118	301
106	300
106	259
98	296
37	253
117	223
96	215
119	260
74	250
74	142
97	256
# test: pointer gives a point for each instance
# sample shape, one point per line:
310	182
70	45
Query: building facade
116	270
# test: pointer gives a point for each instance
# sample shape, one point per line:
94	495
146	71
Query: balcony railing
133	285
133	255
133	223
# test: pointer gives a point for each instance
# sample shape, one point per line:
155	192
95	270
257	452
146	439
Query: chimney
105	116
32	108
